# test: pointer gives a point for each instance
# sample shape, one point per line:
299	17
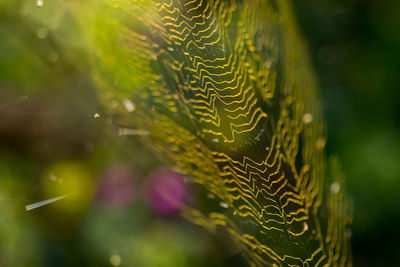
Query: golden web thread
226	91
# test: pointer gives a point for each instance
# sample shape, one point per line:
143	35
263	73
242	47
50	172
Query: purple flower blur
165	191
117	186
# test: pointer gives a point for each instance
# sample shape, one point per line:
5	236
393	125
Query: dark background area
355	47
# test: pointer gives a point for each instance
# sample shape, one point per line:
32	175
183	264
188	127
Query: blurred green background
355	46
52	128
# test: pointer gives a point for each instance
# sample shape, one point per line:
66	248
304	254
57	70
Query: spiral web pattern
226	91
